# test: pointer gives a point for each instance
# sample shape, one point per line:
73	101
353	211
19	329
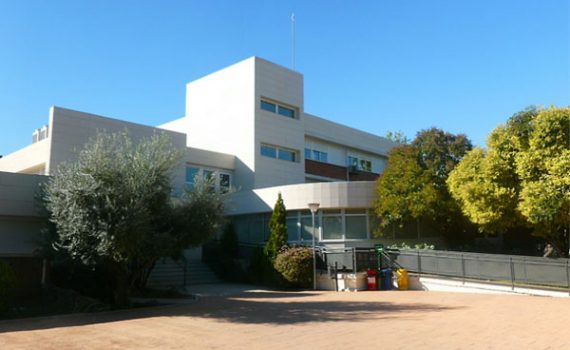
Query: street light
314	207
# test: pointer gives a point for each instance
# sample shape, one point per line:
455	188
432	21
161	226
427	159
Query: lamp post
314	207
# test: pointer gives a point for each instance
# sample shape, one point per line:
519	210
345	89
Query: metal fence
512	269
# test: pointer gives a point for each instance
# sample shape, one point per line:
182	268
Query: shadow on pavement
271	307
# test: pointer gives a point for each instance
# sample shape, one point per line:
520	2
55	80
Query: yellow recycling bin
402	278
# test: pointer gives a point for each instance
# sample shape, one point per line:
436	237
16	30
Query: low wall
434	284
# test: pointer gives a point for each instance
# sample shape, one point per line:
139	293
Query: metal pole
512	274
568	274
314	254
354	261
463	267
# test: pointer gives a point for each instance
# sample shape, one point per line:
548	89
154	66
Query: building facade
246	125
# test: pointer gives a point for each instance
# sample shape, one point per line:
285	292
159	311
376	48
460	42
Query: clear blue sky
379	65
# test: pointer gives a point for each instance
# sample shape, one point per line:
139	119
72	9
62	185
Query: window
286	112
359	163
356	226
292	228
221	181
278	108
268	106
316	155
279	153
287	155
191	174
332	225
268	151
225	182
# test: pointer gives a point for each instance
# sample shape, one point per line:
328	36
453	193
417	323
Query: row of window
330	225
359	163
221	182
277	108
316	155
292	156
279	153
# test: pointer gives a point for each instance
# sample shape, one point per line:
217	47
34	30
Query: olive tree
113	207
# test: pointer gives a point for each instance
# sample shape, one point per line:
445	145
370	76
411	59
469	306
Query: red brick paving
306	320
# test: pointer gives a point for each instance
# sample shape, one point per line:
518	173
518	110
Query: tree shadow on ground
249	308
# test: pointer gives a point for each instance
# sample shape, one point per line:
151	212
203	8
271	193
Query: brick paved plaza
307	320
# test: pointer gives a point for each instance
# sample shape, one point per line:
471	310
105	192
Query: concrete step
170	273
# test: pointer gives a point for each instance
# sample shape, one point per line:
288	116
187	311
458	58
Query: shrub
295	264
7	285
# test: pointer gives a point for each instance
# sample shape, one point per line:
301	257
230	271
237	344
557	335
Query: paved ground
306	320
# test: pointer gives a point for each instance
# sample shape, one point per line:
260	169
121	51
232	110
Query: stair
168	273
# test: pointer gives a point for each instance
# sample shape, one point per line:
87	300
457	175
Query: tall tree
522	178
112	207
412	187
277	228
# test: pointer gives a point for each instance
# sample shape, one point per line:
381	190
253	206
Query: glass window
191	174
307	153
268	106
208	174
268	151
356	227
316	155
365	165
332	227
287	155
292	229
352	161
355	211
307	228
225	182
324	157
331	211
256	230
287	112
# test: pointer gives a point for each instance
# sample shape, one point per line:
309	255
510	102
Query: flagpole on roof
293	40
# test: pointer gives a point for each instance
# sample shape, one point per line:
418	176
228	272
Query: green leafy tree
413	185
278	229
113	208
397	137
544	171
522	179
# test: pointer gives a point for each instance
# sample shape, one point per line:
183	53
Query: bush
295	264
7	286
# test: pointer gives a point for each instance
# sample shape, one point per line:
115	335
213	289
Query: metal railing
513	269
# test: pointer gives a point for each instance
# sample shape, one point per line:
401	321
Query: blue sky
463	66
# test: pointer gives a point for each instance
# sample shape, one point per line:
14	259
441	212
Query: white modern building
247	126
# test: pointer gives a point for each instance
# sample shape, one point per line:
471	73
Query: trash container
386	279
371	278
402	278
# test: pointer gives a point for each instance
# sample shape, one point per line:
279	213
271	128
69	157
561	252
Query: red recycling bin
372	281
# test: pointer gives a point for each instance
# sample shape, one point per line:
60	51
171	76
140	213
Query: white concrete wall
30	160
20	215
178	125
357	194
220	112
209	159
353	141
284	86
70	130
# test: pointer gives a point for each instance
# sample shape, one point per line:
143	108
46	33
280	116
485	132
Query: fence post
512	273
568	274
419	263
463	267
